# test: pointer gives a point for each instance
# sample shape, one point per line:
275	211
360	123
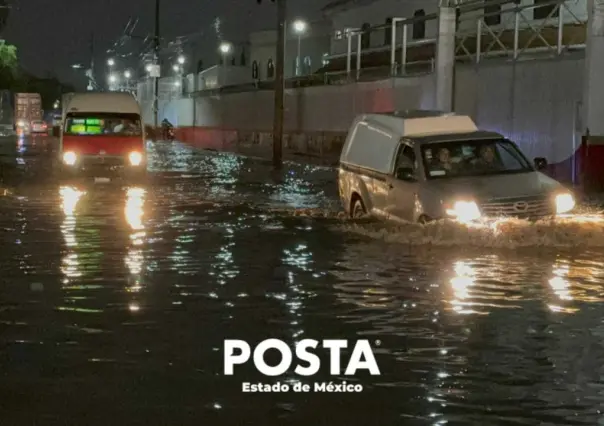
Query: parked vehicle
422	166
39	127
28	108
102	137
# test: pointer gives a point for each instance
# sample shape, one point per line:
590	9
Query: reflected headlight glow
564	203
70	158
464	211
135	158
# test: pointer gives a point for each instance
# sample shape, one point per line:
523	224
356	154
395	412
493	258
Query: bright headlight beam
135	158
465	211
564	203
69	158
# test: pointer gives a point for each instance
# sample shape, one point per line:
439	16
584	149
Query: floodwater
115	302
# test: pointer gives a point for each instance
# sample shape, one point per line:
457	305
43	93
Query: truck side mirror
540	163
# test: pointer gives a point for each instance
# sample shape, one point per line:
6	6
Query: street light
112	79
111	62
175	67
127	74
300	28
181	59
225	49
149	68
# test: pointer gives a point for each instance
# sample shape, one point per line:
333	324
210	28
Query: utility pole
279	83
91	79
156	57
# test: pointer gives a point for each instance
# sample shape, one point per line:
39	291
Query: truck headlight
564	203
464	211
70	158
135	158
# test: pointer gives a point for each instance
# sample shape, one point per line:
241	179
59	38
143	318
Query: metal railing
514	34
513	24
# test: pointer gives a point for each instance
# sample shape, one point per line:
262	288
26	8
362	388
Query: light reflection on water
143	284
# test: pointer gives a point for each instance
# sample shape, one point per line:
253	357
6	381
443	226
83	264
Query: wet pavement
115	302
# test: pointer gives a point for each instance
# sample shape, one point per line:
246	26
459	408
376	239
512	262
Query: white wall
533	103
305	109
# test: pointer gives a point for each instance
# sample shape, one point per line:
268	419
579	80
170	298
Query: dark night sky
53	34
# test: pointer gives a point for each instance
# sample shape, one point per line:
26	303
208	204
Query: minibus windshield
91	124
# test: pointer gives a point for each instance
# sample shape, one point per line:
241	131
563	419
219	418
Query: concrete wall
313	109
535	103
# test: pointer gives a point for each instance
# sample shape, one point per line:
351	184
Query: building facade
353	16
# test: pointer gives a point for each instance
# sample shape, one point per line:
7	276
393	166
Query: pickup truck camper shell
374	138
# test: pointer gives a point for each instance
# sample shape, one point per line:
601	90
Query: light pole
299	28
279	84
225	49
112	78
157	71
127	76
112	82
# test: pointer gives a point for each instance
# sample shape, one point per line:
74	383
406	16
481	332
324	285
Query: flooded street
115	302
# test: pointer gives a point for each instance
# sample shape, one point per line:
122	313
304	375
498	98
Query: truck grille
520	207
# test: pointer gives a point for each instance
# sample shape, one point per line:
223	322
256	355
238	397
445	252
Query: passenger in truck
487	160
444	160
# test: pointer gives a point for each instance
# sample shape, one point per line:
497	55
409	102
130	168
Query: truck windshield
103	124
473	158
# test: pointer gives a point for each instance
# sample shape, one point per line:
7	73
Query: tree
8	56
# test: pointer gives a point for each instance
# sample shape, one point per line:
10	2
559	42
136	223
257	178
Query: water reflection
461	283
69	200
134	213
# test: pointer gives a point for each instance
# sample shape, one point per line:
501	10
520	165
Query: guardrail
490	29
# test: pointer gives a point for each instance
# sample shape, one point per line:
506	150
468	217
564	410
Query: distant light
127	74
177	83
181	59
112	78
175	67
149	67
225	48
300	26
77	66
110	62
